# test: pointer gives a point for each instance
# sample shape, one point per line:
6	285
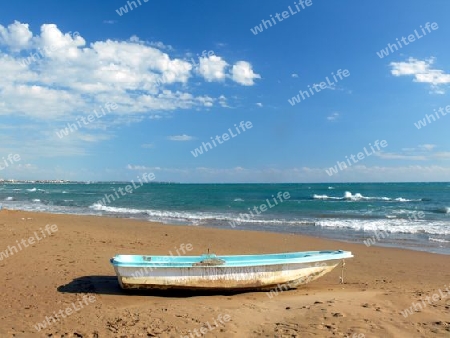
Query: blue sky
170	98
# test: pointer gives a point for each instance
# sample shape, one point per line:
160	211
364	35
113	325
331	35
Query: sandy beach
70	268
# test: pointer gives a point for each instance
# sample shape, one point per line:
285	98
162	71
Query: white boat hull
290	275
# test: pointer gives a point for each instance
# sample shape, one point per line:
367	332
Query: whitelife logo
11	159
282	196
411	38
360	156
65	313
225	137
124	10
146	177
49	229
292	285
206	327
415	307
284	14
412	216
72	127
319	87
184	248
431	118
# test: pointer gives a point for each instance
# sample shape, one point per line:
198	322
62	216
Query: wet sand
70	269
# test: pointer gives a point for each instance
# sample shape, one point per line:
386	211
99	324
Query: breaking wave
348	196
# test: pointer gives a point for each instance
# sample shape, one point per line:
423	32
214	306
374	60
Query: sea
405	215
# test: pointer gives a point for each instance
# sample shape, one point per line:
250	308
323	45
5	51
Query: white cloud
91	137
16	36
160	45
422	72
155	117
223	101
411	67
206	100
395	156
356	173
138	167
259	104
243	74
294	75
56	75
427	147
153	169
334	116
212	68
109	22
423	152
51	77
411	173
443	155
53	40
44	144
183	137
148	145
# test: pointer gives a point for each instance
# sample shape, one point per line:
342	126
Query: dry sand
58	270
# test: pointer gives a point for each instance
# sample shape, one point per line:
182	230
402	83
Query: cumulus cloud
243	74
55	75
212	68
423	72
53	39
16	36
51	77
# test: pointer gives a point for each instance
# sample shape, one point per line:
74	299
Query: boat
211	272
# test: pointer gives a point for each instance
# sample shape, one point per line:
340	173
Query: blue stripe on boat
229	261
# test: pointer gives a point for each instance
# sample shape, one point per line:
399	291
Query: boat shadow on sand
108	285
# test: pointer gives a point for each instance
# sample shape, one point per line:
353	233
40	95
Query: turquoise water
410	215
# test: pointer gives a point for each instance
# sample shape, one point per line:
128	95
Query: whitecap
390	225
348	196
325	197
440	240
